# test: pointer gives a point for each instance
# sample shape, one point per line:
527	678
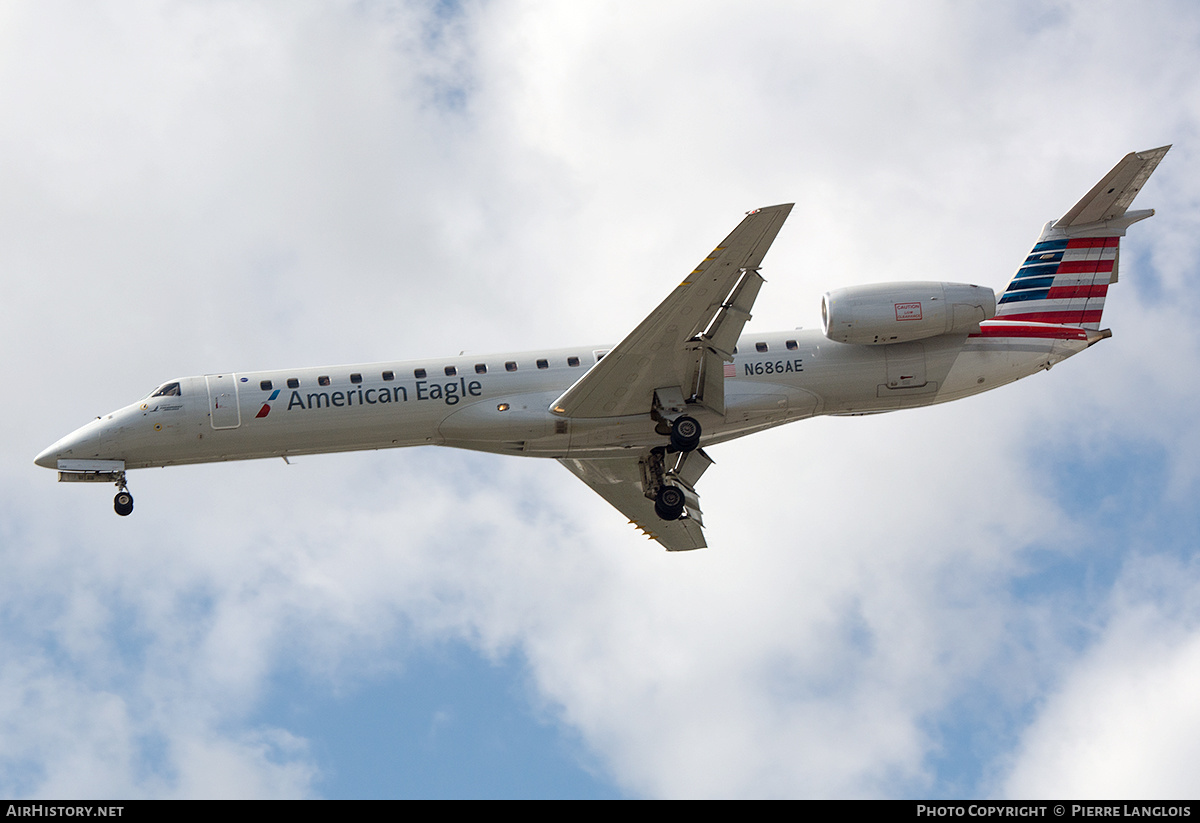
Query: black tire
123	504
668	505
685	433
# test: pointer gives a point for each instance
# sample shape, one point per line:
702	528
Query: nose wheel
123	502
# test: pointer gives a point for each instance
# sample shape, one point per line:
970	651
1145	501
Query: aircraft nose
48	458
82	443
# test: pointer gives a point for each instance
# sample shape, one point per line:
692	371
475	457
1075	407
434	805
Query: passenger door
223	408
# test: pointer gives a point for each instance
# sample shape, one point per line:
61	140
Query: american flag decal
730	370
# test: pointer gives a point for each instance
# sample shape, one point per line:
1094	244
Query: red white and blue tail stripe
1063	280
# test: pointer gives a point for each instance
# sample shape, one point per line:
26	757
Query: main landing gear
685	434
123	502
669	473
668	503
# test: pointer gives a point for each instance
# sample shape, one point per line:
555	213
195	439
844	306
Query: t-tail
1065	278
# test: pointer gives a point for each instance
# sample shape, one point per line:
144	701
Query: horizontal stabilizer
1109	198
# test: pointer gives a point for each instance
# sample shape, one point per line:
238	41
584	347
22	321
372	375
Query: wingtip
779	207
1154	155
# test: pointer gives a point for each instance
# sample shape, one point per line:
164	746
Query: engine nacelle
899	312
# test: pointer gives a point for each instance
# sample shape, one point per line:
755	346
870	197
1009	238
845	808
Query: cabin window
419	374
735	349
293	383
543	364
265	385
600	355
323	380
356	378
389	375
760	346
451	371
791	344
168	390
510	366
572	361
481	368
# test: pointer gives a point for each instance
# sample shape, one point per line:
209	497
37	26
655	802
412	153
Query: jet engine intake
901	312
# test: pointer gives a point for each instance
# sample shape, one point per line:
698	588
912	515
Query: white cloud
1123	722
68	738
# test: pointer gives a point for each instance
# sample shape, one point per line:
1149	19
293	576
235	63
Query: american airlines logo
266	407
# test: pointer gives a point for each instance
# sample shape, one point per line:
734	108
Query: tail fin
1066	277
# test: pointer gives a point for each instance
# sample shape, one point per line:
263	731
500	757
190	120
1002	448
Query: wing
685	342
621	481
1110	198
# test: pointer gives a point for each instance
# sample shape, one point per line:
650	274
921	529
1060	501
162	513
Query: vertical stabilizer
1066	276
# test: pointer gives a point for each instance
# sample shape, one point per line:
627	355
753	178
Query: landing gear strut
123	502
669	479
670	472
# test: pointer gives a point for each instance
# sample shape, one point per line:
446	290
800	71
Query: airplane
633	420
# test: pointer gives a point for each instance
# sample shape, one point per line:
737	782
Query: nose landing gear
123	502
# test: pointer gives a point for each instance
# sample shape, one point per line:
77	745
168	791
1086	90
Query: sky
998	597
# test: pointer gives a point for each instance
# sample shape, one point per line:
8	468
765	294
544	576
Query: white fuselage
631	421
502	403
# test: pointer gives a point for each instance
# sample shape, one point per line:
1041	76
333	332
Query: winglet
1109	198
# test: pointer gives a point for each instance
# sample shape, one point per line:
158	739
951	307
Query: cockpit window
168	390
